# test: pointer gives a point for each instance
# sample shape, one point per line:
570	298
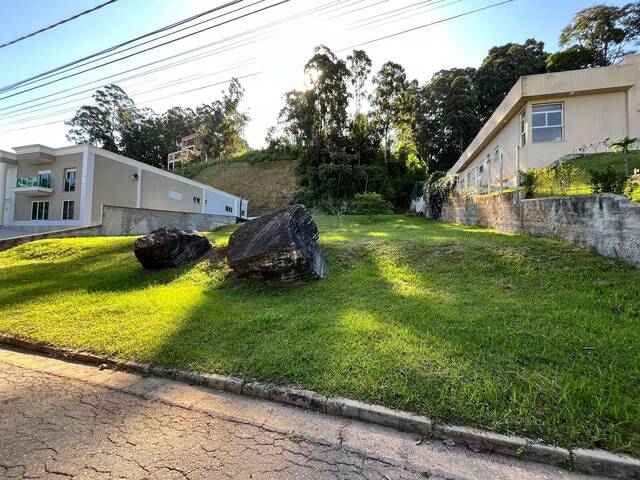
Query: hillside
268	184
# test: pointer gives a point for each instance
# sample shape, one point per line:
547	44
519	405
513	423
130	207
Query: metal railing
44	181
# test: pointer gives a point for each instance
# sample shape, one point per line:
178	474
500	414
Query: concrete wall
125	221
607	224
156	189
27	168
140	221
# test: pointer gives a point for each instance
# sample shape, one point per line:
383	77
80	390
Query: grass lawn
600	161
468	326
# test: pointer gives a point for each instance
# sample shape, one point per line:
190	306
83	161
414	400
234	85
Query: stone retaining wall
125	221
607	224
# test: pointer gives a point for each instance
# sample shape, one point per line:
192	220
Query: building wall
112	185
588	119
156	190
607	224
22	208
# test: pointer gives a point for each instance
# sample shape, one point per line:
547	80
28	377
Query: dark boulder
170	248
279	245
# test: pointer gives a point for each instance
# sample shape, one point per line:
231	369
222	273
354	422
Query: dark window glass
70	180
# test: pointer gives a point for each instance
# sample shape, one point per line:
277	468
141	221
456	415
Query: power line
385	37
57	24
422	3
140	103
404	15
90	61
358	9
171	65
147	49
177	81
114	47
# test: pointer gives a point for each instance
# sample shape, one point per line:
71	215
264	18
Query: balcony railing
44	181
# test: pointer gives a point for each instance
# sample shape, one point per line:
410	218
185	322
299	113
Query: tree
623	145
360	68
446	117
390	87
221	123
502	68
606	30
576	57
328	77
101	125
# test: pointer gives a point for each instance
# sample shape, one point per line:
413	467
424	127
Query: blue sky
279	55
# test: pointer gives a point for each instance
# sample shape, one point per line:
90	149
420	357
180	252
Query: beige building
547	117
57	187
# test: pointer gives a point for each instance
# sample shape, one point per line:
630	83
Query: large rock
170	248
279	245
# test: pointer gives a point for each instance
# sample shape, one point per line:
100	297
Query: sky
267	50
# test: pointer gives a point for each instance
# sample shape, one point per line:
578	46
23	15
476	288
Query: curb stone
595	462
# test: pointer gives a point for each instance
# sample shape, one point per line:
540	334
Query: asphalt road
65	420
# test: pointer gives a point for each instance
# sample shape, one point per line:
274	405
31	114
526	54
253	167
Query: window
523	128
70	180
39	210
44	179
175	195
68	208
228	209
547	122
196	199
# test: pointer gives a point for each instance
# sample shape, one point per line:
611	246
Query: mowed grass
468	326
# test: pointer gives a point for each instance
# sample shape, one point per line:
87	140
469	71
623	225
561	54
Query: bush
607	181
565	179
436	190
370	204
632	188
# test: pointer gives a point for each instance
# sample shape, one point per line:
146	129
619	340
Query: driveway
9	233
61	419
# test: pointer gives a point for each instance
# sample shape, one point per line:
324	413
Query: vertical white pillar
3	189
86	187
501	175
489	175
477	180
139	189
518	166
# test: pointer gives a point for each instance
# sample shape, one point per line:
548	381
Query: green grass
468	326
600	161
251	157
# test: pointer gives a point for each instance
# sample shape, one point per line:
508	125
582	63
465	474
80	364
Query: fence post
501	175
518	166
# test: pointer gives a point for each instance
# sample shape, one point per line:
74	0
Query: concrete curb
595	462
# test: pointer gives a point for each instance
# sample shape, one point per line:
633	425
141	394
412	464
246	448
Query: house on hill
43	188
549	117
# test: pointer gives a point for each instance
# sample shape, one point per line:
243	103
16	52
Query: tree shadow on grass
441	331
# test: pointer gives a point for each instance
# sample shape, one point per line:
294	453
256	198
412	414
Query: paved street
65	420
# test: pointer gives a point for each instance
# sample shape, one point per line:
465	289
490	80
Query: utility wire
114	47
385	37
146	49
422	3
61	22
140	103
112	79
97	59
404	15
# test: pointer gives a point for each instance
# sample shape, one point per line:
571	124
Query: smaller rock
449	443
170	248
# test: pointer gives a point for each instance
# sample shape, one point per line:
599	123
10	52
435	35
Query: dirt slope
268	185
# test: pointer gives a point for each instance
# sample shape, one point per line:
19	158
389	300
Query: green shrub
370	204
607	181
565	179
437	189
632	188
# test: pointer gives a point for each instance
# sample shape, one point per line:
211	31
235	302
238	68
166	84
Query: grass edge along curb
596	462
